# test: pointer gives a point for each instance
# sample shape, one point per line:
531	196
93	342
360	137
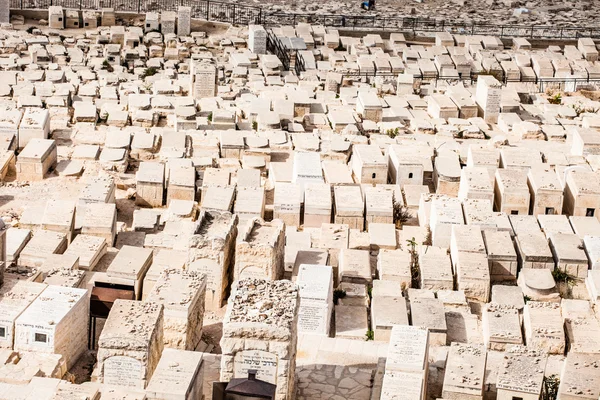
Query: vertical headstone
316	298
56	17
333	81
4	12
107	17
488	98
204	82
184	21
257	39
406	83
267	345
167	22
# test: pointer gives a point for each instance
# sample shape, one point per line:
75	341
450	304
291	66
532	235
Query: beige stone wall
149	194
279	341
214	257
146	354
260	258
180	193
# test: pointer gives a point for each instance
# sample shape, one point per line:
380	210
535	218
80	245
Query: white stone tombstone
15	296
167	22
178	376
408	349
267	345
307	168
263	362
316	298
56	322
407	363
129	348
122	371
204	82
488	97
4	12
184	20
257	39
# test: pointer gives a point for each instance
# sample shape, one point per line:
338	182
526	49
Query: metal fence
240	14
237	14
429	25
536	85
274	46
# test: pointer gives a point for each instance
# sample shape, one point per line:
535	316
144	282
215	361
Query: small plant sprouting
370	335
580	109
556	99
551	384
209	118
562	276
106	66
401	214
414	263
526	298
150	71
254	125
392	133
338	294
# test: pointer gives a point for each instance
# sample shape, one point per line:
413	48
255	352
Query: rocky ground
541	12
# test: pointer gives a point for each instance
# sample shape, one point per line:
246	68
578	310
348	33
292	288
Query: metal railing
300	65
274	46
237	14
539	85
240	14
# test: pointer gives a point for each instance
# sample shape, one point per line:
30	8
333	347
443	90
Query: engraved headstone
263	362
408	349
122	371
4	12
257	39
316	298
488	98
204	81
184	18
167	22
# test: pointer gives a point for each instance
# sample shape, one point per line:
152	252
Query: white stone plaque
4	12
263	362
257	39
407	350
205	81
313	317
252	271
123	371
212	269
570	86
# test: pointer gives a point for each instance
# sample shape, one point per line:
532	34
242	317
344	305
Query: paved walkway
333	382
